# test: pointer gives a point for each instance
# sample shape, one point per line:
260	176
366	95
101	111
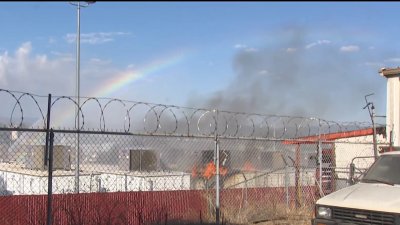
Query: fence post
320	157
77	157
48	161
287	181
50	179
46	153
352	172
217	184
297	164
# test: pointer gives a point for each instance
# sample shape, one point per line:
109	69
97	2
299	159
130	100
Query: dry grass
267	214
255	215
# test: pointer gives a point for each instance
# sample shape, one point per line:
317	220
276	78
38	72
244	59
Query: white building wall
22	184
347	149
393	109
271	179
121	182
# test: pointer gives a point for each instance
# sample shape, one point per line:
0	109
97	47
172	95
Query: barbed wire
150	118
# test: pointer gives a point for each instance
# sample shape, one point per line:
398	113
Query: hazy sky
316	59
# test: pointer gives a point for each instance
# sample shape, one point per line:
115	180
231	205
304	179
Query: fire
209	171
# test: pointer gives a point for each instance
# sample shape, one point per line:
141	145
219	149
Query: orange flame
209	171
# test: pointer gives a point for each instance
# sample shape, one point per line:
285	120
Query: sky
312	59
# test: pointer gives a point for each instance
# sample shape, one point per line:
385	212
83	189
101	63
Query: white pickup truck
373	200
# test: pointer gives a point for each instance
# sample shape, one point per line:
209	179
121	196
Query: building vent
35	158
123	159
143	160
61	158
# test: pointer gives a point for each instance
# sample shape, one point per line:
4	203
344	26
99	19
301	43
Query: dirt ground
283	222
279	216
298	220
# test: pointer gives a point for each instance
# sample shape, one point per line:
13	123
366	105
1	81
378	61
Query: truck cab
373	200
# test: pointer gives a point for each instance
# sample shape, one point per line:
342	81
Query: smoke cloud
299	78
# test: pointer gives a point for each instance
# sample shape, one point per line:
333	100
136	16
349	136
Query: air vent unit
35	158
143	160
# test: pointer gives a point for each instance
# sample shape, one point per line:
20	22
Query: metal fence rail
165	159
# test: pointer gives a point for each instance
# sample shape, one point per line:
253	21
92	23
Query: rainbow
123	79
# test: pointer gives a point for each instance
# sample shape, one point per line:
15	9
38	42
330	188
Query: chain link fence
141	163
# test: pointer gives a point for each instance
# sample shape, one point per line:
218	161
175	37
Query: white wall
393	109
270	179
347	149
20	183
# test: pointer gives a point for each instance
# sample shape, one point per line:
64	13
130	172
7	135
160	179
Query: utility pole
78	5
371	111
